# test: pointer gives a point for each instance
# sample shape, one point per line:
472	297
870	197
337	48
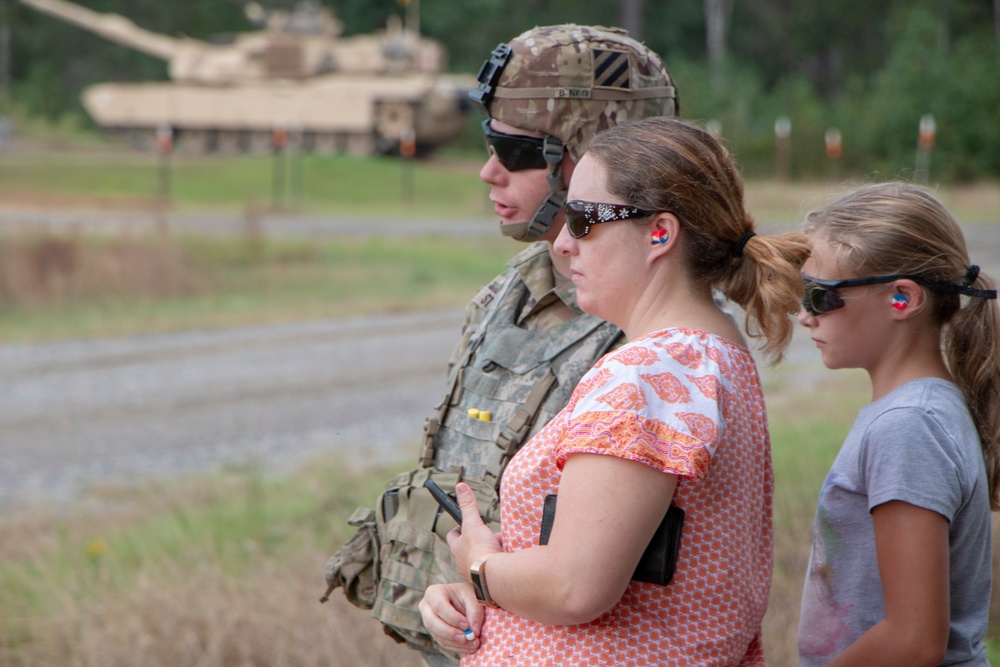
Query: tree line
865	71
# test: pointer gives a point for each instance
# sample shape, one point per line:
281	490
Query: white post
783	148
925	142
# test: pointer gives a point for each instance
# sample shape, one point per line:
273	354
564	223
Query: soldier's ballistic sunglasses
516	152
582	215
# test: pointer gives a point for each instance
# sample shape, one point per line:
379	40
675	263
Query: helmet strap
516	230
553	149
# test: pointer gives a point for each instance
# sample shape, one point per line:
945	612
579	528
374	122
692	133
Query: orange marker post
408	151
834	150
925	143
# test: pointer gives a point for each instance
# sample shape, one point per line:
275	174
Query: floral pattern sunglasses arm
582	215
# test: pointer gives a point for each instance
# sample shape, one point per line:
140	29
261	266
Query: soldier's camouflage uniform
524	347
525	343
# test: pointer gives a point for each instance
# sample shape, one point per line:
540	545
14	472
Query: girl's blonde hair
664	164
892	228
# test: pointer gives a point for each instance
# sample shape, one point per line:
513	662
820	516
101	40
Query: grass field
66	284
225	570
333	185
56	285
444	186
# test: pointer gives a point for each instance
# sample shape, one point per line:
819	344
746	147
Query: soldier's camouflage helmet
571	81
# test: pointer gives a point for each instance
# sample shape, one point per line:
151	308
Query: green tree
957	85
869	68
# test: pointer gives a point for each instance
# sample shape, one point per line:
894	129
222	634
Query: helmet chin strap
536	228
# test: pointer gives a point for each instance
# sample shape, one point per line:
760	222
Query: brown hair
664	164
892	228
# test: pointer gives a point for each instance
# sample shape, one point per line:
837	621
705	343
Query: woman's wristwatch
478	575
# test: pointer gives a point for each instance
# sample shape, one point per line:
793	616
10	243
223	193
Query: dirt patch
974	201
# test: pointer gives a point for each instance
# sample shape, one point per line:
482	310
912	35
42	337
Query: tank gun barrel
112	27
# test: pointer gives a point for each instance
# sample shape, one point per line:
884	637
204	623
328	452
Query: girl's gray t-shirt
919	445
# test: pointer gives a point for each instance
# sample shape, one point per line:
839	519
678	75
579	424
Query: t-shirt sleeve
654	403
909	456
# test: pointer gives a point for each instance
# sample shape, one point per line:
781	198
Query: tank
296	77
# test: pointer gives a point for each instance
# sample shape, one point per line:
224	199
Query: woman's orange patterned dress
683	402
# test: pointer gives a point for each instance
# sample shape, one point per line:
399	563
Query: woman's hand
473	539
448	611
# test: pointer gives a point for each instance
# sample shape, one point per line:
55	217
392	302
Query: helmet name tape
504	93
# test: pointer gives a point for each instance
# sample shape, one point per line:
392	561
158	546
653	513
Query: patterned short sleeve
657	401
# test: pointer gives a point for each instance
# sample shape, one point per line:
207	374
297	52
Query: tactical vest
521	378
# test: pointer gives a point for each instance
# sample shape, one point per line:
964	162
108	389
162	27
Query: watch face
479	589
478	576
476	584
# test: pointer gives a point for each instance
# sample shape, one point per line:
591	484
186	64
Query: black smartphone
446	501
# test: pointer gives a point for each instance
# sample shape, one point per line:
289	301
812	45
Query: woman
900	566
675	416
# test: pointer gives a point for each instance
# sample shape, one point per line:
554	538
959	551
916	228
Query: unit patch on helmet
611	69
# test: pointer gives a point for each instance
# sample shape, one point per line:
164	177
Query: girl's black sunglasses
821	296
516	152
582	215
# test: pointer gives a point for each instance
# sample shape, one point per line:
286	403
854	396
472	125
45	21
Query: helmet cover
571	81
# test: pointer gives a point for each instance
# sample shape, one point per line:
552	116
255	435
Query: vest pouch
413	552
354	567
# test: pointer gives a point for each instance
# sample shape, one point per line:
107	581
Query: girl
900	567
674	418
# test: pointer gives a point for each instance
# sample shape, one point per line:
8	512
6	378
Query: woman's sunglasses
582	215
821	296
516	152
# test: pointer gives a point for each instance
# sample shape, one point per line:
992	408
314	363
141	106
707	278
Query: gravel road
266	223
78	412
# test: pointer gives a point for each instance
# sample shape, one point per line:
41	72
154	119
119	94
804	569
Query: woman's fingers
453	616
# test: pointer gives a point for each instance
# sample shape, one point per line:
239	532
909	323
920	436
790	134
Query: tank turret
358	94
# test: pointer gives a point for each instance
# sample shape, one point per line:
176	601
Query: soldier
525	343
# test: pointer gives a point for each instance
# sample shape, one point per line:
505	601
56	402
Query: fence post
925	143
279	139
834	150
164	147
407	150
783	148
